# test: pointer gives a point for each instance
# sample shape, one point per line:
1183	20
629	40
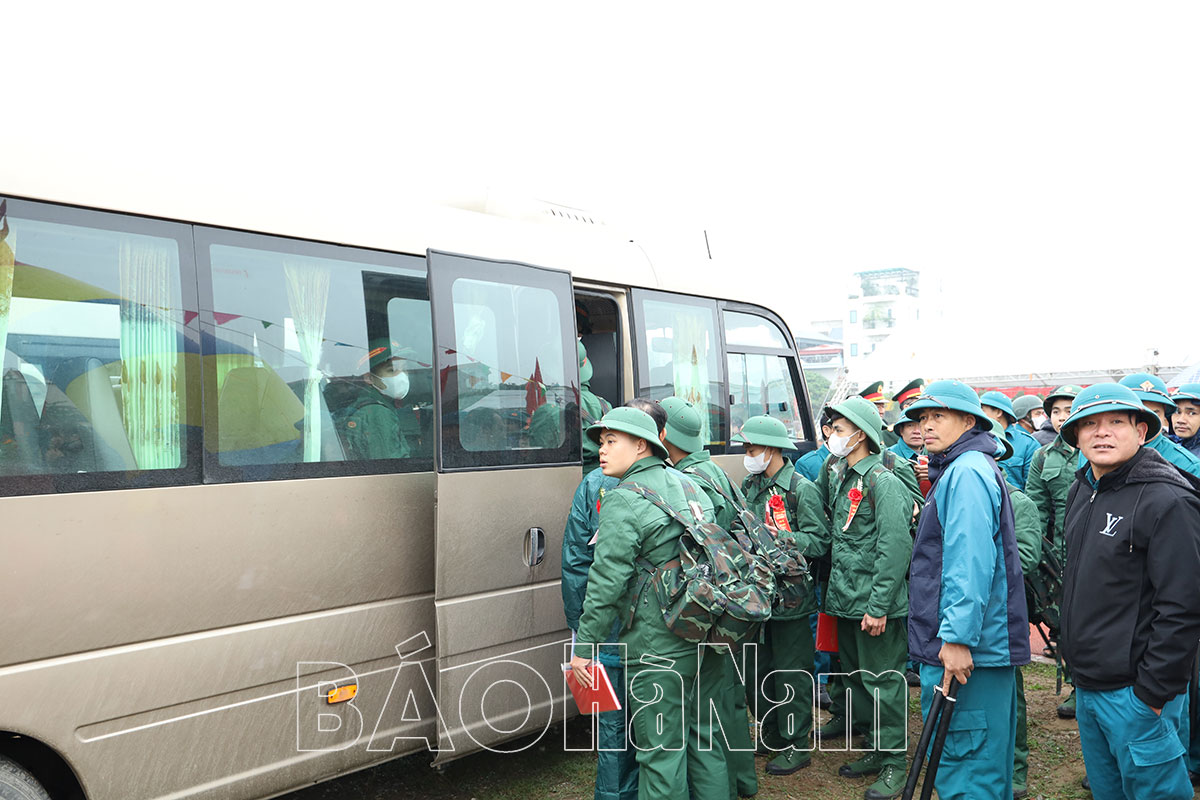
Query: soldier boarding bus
284	485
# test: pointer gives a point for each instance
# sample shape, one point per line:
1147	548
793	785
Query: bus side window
762	373
91	324
316	358
679	354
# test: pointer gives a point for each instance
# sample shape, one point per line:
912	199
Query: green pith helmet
379	352
633	422
954	395
1002	440
1107	397
766	432
910	392
863	414
683	425
1149	389
1024	405
585	366
1189	391
1068	391
998	400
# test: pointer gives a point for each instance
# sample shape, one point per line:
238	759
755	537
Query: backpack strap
665	507
737	498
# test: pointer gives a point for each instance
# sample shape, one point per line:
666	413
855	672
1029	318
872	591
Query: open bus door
507	389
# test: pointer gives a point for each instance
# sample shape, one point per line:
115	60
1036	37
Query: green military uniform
874	393
718	683
870	545
787	640
1029	545
368	422
658	663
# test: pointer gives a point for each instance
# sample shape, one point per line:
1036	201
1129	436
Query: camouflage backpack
793	583
717	589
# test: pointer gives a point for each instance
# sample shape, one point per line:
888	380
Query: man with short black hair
1130	612
1186	419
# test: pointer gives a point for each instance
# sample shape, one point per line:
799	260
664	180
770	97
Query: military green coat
1051	473
702	462
371	426
633	528
871	550
805	516
1028	524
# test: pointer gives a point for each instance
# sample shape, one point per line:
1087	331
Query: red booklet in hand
600	697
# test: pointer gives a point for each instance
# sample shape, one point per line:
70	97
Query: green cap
864	415
1103	397
1002	440
585	366
1024	405
683	424
633	422
1068	391
766	432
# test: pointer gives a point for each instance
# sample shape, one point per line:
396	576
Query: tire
17	784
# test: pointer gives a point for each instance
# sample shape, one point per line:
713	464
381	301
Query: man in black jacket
1131	612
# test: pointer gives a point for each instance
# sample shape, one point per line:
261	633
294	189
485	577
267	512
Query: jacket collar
1146	466
692	459
782	478
972	440
644	464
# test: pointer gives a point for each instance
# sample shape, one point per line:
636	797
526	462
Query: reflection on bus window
751	330
509	378
762	384
90	331
682	355
318	360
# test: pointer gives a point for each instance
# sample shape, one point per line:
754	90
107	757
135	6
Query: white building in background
881	303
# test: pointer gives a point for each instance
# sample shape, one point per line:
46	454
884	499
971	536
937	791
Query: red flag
535	393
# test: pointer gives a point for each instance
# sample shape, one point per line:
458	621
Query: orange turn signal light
341	694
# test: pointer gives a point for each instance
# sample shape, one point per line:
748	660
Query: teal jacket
901	449
582	524
1016	467
809	464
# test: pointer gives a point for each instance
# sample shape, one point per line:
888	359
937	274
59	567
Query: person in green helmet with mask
1029	413
998	407
369	416
775	492
635	537
869	544
718	681
1152	391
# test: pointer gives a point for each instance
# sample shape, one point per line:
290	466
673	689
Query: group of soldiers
919	539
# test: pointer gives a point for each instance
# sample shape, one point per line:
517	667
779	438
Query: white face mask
756	465
840	445
1038	421
394	386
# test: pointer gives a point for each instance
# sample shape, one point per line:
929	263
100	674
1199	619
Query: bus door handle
535	547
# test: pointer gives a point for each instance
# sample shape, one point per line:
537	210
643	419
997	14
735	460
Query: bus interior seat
257	417
86	383
20	447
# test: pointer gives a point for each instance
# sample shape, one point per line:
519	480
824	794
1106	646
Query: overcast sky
1040	159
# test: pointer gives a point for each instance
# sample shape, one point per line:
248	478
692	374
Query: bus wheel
17	784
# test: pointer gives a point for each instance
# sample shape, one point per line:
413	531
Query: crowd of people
930	546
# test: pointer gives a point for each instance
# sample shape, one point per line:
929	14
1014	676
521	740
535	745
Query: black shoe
912	678
870	764
1048	652
1194	777
1018	794
1084	783
824	701
1067	709
788	761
